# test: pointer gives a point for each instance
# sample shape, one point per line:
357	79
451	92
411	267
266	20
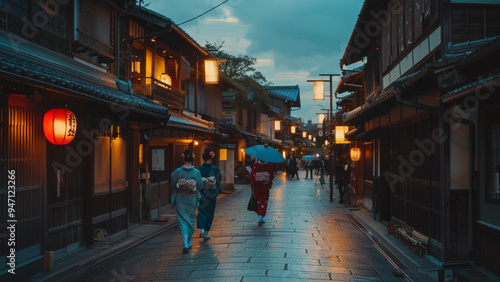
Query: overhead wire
203	13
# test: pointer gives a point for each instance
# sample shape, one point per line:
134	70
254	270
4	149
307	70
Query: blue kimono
212	188
186	196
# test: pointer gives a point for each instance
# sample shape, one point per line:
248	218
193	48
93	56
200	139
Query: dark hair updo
188	155
207	154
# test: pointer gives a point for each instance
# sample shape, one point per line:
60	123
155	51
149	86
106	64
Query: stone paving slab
306	237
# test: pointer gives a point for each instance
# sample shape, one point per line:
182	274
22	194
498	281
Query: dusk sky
292	40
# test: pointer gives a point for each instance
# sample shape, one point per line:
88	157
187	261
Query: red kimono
262	176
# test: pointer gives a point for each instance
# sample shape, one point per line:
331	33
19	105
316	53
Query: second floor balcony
158	90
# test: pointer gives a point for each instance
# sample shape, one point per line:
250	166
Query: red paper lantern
59	126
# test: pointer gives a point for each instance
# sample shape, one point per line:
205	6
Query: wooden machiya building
426	116
66	196
169	67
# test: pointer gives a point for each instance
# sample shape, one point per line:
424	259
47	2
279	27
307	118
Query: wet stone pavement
305	237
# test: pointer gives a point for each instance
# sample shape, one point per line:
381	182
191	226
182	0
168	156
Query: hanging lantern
318	90
355	154
211	71
59	126
165	78
340	134
277	125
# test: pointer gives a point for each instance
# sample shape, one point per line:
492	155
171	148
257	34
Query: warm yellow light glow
136	66
165	78
196	143
304	134
355	154
211	71
314	139
326	142
284	154
223	154
277	125
292	129
340	134
321	117
318	90
309	137
140	153
149	65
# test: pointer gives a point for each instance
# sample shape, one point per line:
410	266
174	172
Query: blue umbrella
307	158
265	153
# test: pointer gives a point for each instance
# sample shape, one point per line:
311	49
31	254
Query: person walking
261	178
211	178
309	169
291	167
297	167
343	174
186	181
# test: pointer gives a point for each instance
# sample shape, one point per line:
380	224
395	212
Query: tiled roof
290	93
464	90
32	64
163	20
184	122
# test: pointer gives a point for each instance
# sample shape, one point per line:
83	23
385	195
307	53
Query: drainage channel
382	248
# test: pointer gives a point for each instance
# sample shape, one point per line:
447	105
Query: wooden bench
404	235
417	241
422	242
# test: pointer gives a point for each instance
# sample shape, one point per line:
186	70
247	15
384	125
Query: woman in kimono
186	181
211	178
261	178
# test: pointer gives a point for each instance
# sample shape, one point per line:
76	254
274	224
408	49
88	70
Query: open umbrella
265	153
307	158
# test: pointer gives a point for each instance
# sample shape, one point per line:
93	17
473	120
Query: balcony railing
159	91
96	47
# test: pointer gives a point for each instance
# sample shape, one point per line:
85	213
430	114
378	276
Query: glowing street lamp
318	90
318	87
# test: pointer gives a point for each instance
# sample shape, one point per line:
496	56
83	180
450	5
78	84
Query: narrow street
305	237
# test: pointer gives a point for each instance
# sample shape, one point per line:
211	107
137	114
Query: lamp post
317	89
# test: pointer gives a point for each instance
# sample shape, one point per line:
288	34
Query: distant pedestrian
297	167
211	178
316	165
291	167
186	181
343	174
309	169
261	177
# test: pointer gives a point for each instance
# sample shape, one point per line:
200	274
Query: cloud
226	18
292	40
